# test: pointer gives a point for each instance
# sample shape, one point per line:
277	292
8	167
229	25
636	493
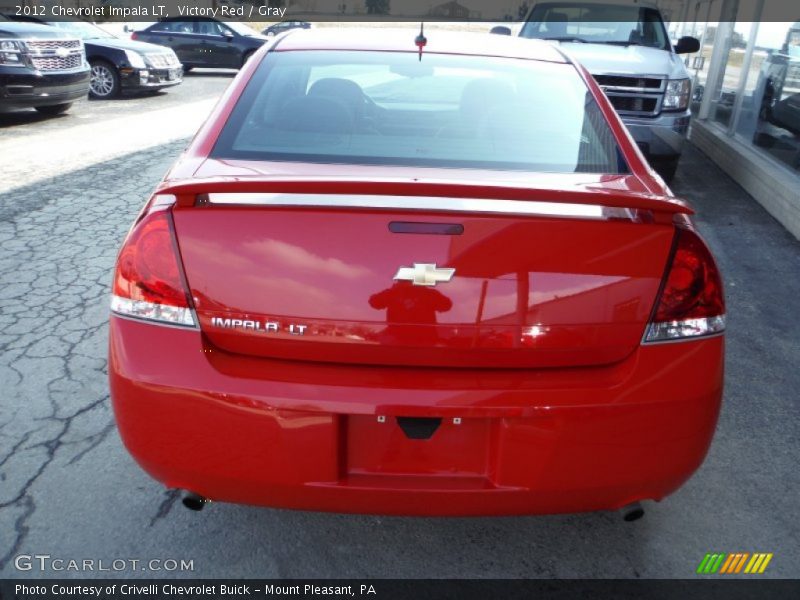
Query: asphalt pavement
69	189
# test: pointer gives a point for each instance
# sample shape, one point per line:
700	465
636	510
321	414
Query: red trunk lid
312	281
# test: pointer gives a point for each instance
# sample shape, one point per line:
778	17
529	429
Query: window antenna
421	40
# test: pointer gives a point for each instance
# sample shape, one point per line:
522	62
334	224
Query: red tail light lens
148	281
134	36
691	302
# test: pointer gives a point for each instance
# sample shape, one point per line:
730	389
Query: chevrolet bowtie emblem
424	274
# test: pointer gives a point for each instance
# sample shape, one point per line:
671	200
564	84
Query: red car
423	279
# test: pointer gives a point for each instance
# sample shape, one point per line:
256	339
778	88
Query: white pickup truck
625	46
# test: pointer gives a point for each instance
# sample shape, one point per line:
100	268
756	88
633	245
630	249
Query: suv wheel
104	82
54	109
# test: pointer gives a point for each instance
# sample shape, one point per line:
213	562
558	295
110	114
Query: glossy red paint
302	435
532	357
555	304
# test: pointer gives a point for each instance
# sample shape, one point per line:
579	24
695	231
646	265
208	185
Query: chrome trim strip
426	203
155	321
681	340
687	338
81	69
623	88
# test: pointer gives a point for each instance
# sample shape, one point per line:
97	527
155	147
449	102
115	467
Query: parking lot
69	189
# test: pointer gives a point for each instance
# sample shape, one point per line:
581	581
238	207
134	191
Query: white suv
625	46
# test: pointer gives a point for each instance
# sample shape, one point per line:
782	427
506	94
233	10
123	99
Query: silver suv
625	46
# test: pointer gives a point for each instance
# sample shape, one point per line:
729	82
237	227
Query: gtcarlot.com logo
723	563
46	562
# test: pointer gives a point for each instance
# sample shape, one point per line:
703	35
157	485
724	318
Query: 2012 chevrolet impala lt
407	276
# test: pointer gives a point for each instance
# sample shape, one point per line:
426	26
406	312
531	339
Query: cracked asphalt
69	490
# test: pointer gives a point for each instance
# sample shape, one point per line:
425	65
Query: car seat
344	91
478	97
313	114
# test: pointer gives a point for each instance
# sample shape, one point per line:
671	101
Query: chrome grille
163	61
55	54
634	104
634	95
35	45
57	63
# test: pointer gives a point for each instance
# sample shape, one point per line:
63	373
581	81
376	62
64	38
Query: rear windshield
391	108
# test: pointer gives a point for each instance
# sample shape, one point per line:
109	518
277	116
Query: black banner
732	588
371	10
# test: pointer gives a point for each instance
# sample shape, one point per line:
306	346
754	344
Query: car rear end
423	300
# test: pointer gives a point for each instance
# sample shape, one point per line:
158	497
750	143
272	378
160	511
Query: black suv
204	42
41	68
121	65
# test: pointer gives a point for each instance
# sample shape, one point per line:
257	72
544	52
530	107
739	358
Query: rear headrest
479	95
312	114
345	91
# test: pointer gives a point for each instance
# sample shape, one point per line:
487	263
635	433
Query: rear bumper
661	137
305	436
23	88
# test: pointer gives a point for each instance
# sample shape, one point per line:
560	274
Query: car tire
667	169
54	109
247	56
765	111
104	82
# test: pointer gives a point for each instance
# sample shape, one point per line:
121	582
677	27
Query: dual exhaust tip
196	502
632	512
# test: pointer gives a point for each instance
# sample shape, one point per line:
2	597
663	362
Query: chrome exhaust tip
194	501
632	512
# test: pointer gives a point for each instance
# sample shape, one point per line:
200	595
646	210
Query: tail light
691	302
134	36
148	281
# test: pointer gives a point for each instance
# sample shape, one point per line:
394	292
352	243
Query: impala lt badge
256	325
424	274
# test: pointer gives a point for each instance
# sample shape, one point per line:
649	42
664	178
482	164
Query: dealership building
746	98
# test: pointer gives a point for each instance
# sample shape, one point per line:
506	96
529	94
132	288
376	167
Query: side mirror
228	38
500	30
687	45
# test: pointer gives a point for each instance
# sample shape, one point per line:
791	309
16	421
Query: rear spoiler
192	192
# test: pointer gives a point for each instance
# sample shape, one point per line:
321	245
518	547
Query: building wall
746	98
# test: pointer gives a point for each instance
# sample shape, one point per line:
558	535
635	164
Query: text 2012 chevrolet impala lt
434	281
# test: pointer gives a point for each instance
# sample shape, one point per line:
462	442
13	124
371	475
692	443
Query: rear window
444	111
173	26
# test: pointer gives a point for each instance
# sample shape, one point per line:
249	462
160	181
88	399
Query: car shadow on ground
26	117
132	95
198	72
86	485
307	544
